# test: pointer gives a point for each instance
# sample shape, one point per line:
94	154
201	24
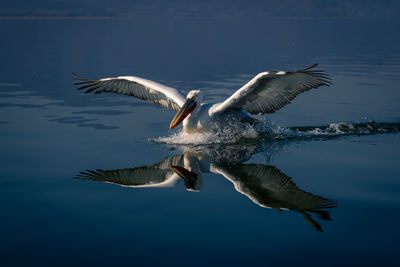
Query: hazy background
311	9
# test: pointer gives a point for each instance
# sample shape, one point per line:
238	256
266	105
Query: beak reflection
189	178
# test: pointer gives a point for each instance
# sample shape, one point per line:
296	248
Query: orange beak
185	110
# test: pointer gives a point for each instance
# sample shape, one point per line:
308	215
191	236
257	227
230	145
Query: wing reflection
268	187
265	185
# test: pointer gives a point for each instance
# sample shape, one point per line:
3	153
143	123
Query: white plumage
267	92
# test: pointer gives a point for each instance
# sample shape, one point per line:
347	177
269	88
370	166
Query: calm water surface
341	189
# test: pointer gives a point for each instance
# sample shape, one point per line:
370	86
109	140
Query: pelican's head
192	99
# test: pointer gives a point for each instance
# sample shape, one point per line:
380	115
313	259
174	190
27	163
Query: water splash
227	135
342	128
264	131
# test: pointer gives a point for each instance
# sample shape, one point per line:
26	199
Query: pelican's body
267	92
198	120
203	119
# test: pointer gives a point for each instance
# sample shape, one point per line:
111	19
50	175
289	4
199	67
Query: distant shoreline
28	17
54	17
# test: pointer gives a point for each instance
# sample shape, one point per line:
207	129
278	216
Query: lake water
339	173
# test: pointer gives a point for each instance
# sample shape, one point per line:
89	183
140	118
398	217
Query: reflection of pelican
265	93
163	174
265	185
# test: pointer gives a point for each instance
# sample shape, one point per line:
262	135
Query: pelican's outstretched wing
138	87
157	175
270	91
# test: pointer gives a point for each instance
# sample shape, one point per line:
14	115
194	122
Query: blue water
51	133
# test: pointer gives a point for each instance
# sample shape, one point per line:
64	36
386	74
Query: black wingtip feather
84	82
324	78
76	76
81	79
310	67
92	88
86	86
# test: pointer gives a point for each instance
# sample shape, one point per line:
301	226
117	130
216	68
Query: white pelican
265	93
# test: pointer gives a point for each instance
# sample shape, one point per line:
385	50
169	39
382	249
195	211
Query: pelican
267	92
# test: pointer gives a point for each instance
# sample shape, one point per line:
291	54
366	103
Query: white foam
221	136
